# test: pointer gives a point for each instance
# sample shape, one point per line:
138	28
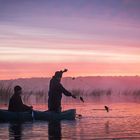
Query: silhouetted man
55	92
15	103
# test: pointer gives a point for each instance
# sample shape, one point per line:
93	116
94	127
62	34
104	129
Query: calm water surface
121	122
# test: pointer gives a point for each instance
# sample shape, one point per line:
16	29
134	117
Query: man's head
17	90
58	75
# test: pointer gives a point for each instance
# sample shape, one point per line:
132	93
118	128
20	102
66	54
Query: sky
88	37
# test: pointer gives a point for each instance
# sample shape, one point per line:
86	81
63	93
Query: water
121	122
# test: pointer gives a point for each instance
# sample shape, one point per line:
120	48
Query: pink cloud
25	70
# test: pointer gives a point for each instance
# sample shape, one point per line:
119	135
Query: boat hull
37	115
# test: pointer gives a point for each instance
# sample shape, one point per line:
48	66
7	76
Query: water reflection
15	131
107	127
123	120
54	130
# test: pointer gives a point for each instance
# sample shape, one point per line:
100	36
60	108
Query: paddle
33	117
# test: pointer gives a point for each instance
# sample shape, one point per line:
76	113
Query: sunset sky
88	37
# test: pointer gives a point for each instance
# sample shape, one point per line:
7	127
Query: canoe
6	115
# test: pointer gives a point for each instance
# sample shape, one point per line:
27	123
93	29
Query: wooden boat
6	115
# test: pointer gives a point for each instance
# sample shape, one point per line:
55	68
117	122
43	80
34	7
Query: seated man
16	104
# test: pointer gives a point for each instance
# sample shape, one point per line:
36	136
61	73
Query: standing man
55	92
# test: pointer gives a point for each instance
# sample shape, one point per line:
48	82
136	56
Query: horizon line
73	77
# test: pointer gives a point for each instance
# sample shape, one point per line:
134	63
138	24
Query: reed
38	96
131	92
5	93
101	92
77	92
94	92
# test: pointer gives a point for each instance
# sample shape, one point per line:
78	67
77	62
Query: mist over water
97	87
121	122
